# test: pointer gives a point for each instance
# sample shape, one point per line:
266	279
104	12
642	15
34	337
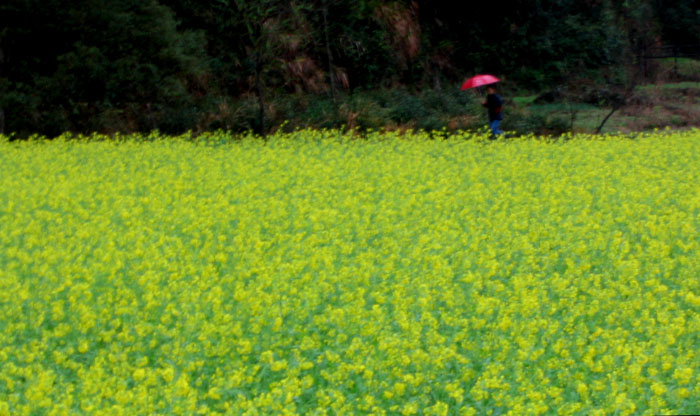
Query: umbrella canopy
479	81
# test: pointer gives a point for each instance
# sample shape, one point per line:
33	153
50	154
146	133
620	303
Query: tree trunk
259	93
331	67
436	79
2	110
620	101
573	112
597	131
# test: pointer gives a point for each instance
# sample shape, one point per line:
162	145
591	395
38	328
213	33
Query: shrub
407	108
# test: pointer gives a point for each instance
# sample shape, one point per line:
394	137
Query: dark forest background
179	65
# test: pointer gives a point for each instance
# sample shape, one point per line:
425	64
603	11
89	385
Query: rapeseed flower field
316	273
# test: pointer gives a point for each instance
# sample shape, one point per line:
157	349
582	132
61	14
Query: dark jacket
494	103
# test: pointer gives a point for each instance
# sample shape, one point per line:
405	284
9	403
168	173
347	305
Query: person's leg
498	127
494	127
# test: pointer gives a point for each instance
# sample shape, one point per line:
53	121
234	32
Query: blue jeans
493	125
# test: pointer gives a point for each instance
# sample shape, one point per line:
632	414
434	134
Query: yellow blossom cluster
319	272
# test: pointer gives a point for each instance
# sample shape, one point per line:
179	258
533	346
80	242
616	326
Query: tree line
178	65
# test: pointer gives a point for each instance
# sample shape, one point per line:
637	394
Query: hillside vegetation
177	65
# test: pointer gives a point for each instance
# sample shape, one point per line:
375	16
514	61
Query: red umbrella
479	81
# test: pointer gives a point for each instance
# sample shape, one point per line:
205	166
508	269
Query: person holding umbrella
494	102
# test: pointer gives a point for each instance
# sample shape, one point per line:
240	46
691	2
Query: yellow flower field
317	273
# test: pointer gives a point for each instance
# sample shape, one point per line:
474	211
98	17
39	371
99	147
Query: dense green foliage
174	65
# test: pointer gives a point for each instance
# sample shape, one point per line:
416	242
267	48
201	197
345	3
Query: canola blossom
317	273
